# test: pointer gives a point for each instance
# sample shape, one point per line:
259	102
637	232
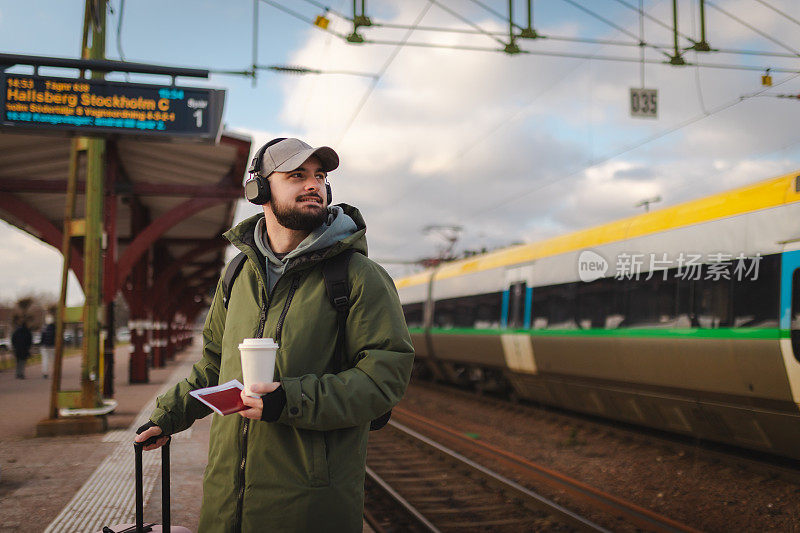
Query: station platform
81	483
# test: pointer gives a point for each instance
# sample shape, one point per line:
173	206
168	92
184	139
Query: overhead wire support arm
511	48
529	32
702	45
676	59
359	19
720	50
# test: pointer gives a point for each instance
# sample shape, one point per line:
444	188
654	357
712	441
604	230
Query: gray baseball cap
289	154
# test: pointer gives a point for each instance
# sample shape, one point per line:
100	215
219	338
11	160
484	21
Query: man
21	341
295	459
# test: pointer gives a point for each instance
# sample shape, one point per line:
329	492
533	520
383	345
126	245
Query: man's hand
256	405
151	432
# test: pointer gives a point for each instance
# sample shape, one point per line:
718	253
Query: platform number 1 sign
644	103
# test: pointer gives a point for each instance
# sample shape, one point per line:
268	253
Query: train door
790	315
516	315
794	321
517	296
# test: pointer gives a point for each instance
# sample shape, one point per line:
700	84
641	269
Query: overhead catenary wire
583	40
321	61
722	107
404	42
753	28
757	156
778	11
383	70
651	18
697	83
467	21
299	16
611	24
119	30
513	116
549	53
328	9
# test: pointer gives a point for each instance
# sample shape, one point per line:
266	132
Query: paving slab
40	476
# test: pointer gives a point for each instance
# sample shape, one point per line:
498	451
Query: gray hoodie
337	227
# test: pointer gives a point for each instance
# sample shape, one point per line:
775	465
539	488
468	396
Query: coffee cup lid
258	343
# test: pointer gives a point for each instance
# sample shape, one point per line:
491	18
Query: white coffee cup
258	362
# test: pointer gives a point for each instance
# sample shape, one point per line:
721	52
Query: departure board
98	106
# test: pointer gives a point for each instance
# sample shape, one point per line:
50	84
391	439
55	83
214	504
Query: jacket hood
331	238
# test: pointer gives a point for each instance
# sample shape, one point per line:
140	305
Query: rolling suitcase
140	526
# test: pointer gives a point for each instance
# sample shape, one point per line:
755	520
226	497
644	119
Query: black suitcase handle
165	518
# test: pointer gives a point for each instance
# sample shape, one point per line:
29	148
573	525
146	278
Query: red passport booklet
224	399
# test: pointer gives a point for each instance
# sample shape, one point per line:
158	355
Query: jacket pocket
320	477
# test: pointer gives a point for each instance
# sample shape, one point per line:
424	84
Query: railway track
765	464
440	489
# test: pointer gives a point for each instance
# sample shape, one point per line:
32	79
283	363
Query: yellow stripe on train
761	195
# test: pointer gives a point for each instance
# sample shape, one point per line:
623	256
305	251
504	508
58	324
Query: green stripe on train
692	333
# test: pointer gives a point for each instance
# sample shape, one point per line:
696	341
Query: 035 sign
644	103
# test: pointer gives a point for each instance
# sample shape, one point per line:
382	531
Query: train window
713	305
663	303
413	314
480	311
516	305
756	301
554	307
599	304
650	303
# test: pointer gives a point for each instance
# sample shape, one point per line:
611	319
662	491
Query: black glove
151	440
274	402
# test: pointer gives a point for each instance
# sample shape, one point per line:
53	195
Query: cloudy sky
510	148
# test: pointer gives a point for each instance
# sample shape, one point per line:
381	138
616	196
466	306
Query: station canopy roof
175	197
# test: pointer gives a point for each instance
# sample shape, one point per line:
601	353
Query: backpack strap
334	272
234	267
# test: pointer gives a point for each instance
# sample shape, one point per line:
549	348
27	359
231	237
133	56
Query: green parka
304	472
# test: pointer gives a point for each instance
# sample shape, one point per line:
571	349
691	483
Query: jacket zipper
245	426
292	289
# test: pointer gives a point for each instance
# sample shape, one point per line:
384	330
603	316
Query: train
685	319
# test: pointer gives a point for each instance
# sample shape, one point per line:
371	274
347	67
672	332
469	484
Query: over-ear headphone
256	188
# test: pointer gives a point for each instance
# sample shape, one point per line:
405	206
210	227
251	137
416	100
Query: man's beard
296	218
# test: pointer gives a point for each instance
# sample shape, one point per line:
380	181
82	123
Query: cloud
517	148
34	267
526	147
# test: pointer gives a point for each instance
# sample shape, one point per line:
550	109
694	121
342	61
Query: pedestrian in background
48	344
21	341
